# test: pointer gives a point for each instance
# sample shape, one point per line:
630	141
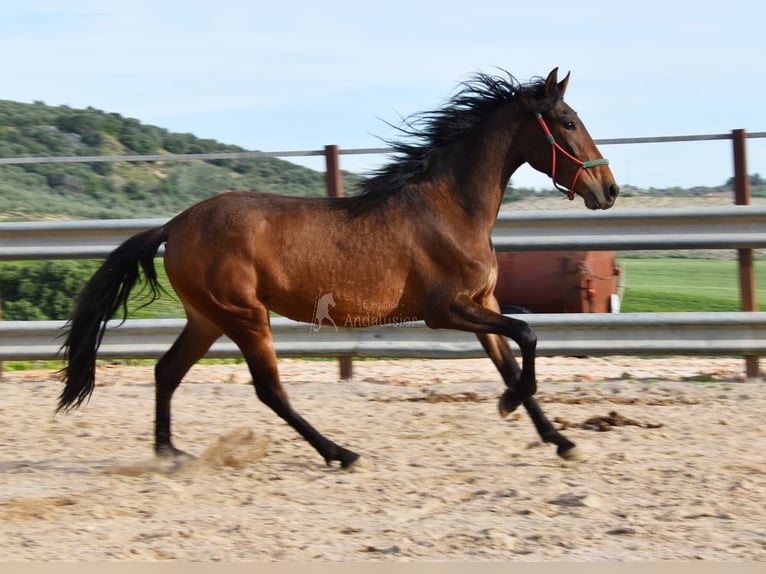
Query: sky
297	75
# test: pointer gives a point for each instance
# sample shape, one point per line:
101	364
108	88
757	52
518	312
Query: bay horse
415	241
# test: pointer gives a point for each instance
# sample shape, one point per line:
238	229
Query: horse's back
242	250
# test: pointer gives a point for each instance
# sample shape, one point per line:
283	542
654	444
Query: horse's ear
551	81
552	84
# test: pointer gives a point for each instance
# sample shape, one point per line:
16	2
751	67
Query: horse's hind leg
190	346
255	342
499	351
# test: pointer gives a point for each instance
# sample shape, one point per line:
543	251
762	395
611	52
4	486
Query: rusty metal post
746	270
335	189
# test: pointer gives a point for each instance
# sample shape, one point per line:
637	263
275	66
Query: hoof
348	459
353	465
345	457
572	454
508	403
173	453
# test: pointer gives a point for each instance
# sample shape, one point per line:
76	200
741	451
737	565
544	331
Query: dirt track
442	477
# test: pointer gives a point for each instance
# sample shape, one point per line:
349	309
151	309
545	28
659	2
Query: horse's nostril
614	191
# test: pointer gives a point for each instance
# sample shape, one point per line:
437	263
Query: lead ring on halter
581	164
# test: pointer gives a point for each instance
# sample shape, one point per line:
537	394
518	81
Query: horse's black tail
103	295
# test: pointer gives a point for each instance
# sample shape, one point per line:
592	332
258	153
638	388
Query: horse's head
560	146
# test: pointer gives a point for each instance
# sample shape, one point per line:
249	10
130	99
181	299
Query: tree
42	290
755	180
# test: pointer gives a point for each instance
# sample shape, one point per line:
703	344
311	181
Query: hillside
115	190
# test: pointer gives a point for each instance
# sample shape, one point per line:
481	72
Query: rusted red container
558	282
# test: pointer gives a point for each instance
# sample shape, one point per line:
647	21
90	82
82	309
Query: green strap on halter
595	162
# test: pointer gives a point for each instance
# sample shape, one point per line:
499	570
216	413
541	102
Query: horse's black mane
430	130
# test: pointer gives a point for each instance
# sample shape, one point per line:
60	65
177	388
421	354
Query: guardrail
726	227
722	227
727	333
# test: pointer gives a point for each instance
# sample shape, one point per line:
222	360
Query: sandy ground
682	476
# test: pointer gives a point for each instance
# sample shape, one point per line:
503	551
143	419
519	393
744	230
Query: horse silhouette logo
322	312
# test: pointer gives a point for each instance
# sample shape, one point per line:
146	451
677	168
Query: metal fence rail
215	156
722	227
731	333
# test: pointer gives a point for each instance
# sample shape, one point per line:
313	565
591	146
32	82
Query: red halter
580	164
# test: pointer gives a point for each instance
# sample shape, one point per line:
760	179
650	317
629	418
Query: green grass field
676	284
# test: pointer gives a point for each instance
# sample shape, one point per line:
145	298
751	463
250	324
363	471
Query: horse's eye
569	125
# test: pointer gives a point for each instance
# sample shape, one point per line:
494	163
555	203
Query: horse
415	241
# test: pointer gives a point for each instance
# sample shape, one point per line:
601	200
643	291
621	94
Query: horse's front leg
499	351
465	314
491	328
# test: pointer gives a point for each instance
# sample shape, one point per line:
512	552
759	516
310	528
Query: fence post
2	365
745	256
335	189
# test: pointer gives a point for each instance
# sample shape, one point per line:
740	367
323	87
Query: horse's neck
482	166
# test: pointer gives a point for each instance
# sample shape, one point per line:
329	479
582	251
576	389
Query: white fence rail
723	227
734	333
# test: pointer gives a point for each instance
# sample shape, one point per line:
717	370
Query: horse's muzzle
602	200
